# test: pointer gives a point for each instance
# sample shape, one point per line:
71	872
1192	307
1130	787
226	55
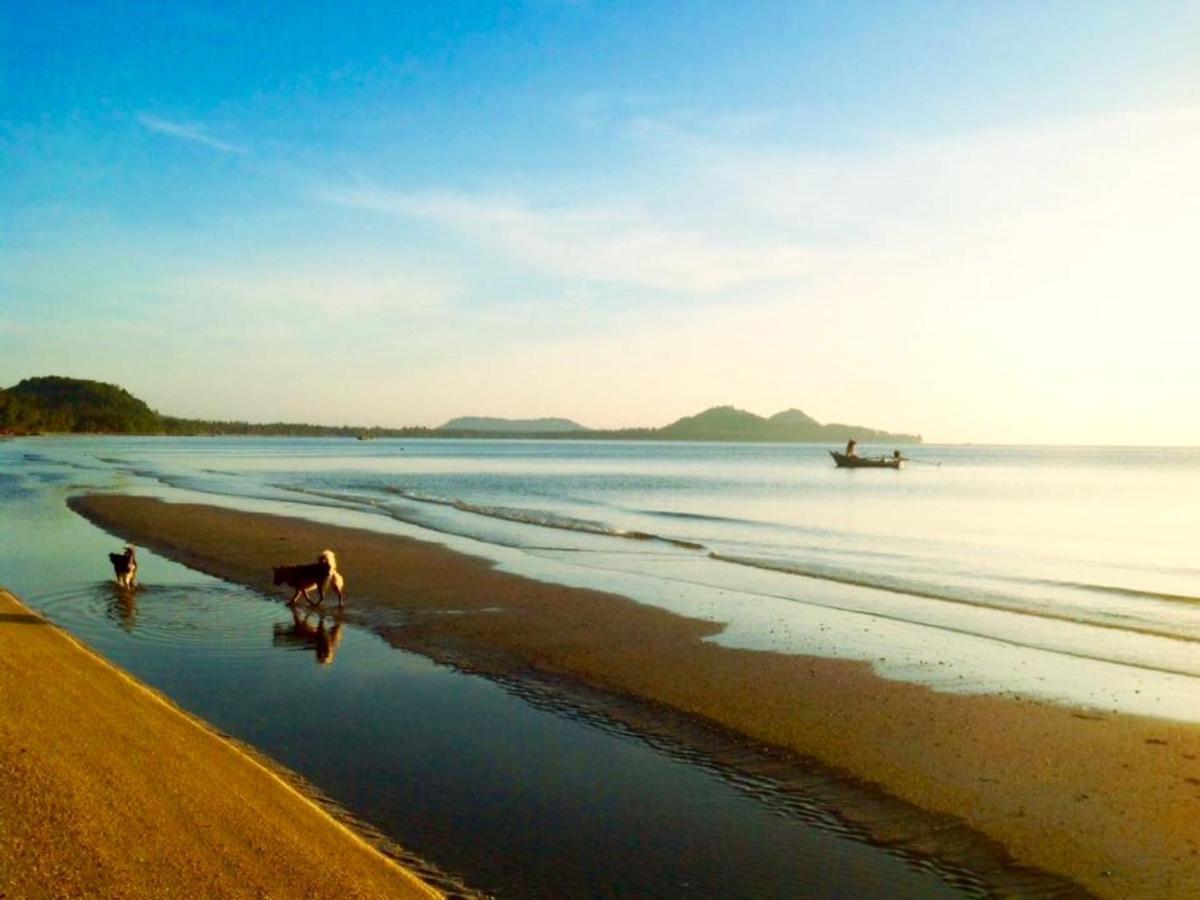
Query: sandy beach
112	791
1108	801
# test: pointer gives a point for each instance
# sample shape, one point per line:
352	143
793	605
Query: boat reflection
302	633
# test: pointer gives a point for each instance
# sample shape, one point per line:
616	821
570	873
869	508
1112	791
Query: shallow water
1066	574
517	797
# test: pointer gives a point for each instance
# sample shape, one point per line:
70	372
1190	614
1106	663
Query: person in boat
852	447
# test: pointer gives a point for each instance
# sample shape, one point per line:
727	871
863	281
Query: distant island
54	404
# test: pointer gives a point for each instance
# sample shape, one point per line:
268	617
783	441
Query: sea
1063	574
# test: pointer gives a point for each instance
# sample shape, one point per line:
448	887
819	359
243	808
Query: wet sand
1109	801
109	790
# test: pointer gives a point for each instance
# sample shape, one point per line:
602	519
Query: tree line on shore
55	404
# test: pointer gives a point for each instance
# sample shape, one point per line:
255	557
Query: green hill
792	418
725	423
53	403
721	423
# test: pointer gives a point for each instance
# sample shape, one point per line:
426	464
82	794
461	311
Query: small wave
315	497
13	486
543	519
61	463
42	460
978	599
536	518
1117	590
74	464
705	517
247	491
418	496
817	539
826	573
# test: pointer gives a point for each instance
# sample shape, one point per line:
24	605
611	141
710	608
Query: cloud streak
621	245
728	217
188	132
352	289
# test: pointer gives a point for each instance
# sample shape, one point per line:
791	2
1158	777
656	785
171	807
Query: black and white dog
124	567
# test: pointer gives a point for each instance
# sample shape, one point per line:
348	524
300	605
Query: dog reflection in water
123	607
301	632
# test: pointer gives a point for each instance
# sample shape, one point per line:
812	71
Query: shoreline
112	789
1103	800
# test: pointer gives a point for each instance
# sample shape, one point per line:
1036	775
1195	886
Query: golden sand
109	790
1112	802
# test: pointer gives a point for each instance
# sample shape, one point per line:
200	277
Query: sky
973	221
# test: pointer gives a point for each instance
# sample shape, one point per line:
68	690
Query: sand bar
112	791
1109	801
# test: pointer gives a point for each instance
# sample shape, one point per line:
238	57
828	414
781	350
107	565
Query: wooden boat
844	461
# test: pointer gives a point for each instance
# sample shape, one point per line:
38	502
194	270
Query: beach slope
112	791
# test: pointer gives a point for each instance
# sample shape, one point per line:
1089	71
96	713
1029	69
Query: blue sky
968	220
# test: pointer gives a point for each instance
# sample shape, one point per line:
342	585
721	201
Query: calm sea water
1068	573
505	788
1060	573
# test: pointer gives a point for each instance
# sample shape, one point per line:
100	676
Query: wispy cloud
189	132
724	216
337	287
617	244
